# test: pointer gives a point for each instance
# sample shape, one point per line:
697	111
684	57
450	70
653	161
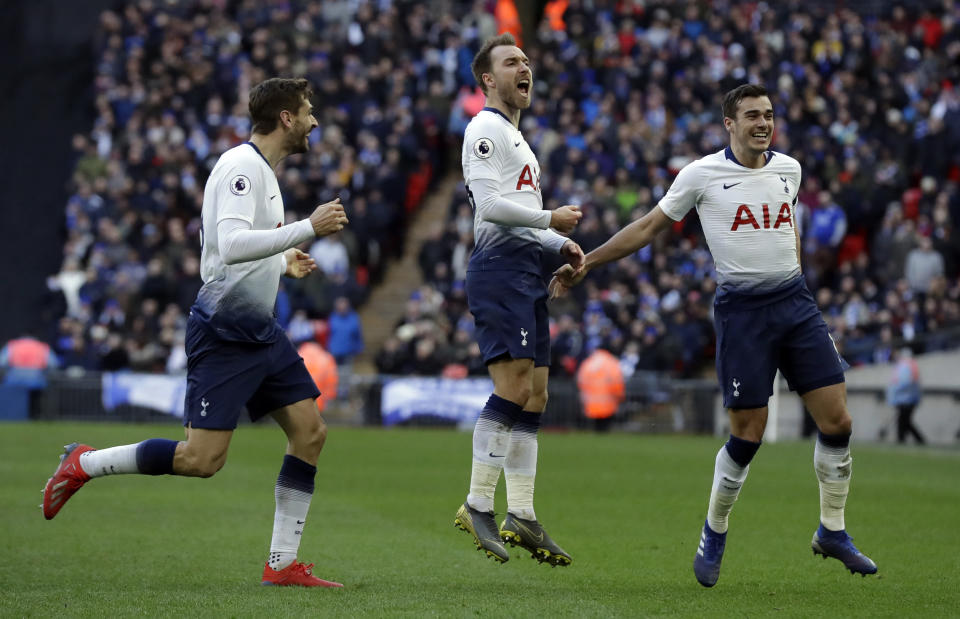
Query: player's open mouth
760	136
524	87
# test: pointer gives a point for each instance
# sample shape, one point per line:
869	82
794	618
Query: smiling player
765	317
237	353
508	300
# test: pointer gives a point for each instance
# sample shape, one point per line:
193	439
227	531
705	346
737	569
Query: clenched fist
565	218
328	218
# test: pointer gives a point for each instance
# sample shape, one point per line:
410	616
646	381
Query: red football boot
294	575
67	479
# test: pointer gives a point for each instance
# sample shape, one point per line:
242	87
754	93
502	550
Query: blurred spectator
323	369
346	334
426	358
924	264
567	348
392	358
904	394
828	223
600	382
26	360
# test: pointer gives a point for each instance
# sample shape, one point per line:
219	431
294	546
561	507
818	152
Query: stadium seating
626	94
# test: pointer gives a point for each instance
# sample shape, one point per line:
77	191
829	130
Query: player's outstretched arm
328	218
633	237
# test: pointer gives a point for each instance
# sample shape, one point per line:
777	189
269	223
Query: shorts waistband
728	298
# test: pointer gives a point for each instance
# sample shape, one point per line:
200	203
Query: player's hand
299	263
565	218
556	289
328	218
573	254
565	278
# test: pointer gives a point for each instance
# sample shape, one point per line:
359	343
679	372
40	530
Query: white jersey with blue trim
494	150
237	300
746	215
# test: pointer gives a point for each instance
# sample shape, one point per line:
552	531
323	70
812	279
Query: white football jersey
494	149
237	300
746	214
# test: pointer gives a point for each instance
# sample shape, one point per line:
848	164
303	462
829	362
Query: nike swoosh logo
725	186
517	144
300	521
493	455
274	196
536	538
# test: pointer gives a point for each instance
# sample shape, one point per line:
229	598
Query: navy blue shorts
757	334
510	312
224	376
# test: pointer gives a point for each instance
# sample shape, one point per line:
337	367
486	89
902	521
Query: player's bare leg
729	473
306	433
834	467
521	528
201	455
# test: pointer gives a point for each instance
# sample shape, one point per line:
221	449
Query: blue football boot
706	563
839	545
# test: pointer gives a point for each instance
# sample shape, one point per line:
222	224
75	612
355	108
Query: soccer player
508	300
237	352
765	317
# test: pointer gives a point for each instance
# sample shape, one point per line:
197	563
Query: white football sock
110	461
491	438
728	478
521	470
288	521
834	467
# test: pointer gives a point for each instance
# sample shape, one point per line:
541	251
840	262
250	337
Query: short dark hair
481	62
270	97
733	98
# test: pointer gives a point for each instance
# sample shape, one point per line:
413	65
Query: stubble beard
300	145
518	101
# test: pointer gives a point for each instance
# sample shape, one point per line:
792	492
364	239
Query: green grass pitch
628	508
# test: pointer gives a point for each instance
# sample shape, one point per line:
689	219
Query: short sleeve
685	192
485	150
797	179
239	186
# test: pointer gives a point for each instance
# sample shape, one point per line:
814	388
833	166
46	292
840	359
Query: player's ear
286	118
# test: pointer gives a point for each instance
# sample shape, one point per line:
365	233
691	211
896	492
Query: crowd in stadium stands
170	96
628	93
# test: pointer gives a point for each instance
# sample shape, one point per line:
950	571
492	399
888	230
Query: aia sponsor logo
529	177
745	217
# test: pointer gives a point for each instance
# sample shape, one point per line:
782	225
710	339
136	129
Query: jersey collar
729	153
496	111
254	147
